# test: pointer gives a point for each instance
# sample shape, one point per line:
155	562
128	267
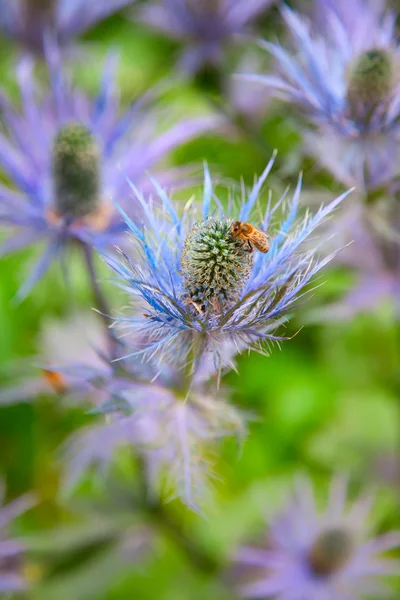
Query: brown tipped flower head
76	172
330	551
215	265
319	556
371	78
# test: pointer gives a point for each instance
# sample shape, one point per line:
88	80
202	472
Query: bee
251	235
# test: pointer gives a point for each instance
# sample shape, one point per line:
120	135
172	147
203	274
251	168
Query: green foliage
328	401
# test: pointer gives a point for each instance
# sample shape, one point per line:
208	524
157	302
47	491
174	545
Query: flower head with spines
174	435
313	556
193	296
29	21
65	154
215	265
345	82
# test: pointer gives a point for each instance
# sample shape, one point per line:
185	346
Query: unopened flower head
344	78
29	21
68	155
207	26
314	556
197	286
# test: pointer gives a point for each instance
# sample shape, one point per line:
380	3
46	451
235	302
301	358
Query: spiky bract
175	437
313	556
172	328
29	21
342	75
215	265
76	172
12	578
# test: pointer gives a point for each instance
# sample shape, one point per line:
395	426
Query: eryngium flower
345	81
29	21
207	26
67	156
11	550
309	556
195	288
78	339
175	436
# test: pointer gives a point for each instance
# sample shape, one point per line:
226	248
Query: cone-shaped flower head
197	286
29	21
67	157
343	75
314	556
371	79
76	172
330	551
215	264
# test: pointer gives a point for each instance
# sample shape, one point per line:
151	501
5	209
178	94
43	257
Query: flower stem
157	514
100	300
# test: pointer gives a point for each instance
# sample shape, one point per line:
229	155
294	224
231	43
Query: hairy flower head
67	157
215	265
76	171
314	556
194	287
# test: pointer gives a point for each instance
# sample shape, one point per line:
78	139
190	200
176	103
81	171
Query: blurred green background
325	402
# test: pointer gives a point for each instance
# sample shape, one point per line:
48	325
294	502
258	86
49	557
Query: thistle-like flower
29	21
174	434
11	550
68	156
198	288
207	26
345	82
66	345
312	556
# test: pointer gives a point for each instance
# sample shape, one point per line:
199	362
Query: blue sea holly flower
344	78
207	27
65	154
143	409
313	556
196	287
29	21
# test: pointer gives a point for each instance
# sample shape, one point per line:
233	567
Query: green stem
157	514
100	300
